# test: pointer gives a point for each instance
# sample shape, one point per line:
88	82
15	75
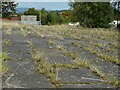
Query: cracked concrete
22	69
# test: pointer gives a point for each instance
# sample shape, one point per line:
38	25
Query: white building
30	19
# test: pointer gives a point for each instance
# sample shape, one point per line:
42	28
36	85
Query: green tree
93	14
8	9
116	5
33	11
52	17
64	16
44	17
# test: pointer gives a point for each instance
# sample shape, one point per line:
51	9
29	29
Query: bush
93	14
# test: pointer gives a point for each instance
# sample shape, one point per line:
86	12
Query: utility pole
118	19
40	17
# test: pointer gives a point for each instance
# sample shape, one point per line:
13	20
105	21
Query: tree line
50	17
88	14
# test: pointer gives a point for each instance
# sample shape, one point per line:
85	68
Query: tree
33	11
52	17
8	9
93	14
116	5
44	17
64	16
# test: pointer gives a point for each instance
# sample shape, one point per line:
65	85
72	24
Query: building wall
30	19
13	18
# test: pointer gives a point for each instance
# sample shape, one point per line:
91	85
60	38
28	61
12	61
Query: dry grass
44	66
64	31
94	69
3	67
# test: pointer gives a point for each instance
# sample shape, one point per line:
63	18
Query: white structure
115	22
74	24
29	19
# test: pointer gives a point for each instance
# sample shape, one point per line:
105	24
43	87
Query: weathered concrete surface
23	76
89	86
78	75
22	69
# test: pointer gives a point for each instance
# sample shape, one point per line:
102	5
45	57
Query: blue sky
46	5
43	0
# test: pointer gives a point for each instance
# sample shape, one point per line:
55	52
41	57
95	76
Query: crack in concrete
28	71
7	80
93	79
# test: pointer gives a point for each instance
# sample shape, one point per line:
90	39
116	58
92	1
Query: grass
112	59
98	72
44	66
109	79
3	67
94	69
52	41
98	53
66	53
102	46
82	63
8	32
67	66
6	42
64	32
4	56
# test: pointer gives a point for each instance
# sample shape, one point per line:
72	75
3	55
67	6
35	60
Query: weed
4	56
52	41
8	32
82	63
60	47
68	66
44	66
110	80
112	59
3	67
6	42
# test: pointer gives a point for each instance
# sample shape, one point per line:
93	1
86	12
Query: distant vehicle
74	24
115	23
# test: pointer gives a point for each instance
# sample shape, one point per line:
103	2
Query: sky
43	0
64	0
46	5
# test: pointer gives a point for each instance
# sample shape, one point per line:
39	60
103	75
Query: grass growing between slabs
84	63
43	66
47	43
3	67
113	59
